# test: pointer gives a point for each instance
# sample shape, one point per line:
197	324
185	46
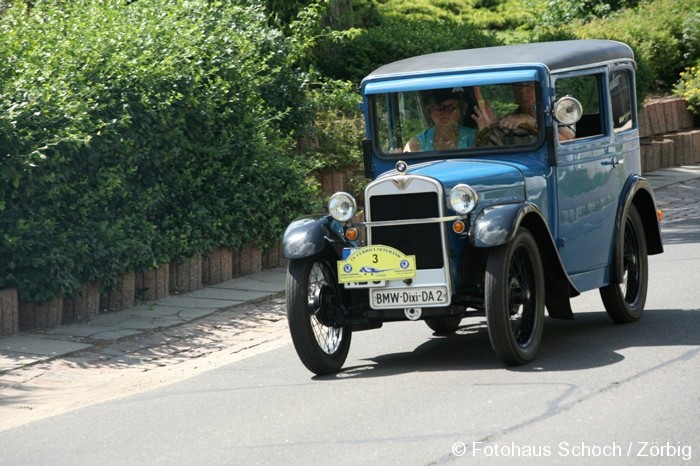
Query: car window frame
370	106
603	102
629	70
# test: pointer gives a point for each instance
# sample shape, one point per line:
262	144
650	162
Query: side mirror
567	110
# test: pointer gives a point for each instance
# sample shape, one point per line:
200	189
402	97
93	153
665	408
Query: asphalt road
599	393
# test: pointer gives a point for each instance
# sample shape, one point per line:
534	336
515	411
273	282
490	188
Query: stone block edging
186	276
662	116
122	296
44	315
217	267
153	284
84	303
9	312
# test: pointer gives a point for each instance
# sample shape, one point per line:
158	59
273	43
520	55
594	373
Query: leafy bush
690	36
688	87
360	51
486	15
334	141
557	12
283	12
135	135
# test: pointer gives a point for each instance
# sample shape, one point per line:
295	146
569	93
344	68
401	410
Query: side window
587	90
621	100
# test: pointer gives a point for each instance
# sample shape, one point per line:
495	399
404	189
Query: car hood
482	175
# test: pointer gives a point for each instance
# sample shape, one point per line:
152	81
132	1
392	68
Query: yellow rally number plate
374	263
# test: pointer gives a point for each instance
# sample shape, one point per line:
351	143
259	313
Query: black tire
321	345
443	324
514	295
624	302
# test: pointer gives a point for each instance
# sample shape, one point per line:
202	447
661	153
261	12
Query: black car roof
555	55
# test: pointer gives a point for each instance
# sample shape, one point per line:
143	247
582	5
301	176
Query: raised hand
483	112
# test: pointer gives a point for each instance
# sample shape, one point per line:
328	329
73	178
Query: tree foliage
134	135
356	53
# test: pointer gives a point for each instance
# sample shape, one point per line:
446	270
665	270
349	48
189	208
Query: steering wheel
497	136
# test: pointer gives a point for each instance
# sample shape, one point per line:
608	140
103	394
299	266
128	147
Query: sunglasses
445	108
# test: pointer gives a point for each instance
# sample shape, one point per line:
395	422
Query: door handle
613	161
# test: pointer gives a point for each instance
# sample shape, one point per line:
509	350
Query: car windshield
457	119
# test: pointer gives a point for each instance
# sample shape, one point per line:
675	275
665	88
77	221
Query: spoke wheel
624	301
514	292
312	289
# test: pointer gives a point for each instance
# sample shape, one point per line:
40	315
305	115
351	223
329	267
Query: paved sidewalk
667	176
27	349
102	332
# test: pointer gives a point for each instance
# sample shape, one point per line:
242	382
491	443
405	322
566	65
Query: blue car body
574	184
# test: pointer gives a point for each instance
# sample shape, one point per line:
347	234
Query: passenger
446	108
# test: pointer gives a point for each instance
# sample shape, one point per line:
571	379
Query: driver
523	120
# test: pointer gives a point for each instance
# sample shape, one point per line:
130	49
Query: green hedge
360	51
132	135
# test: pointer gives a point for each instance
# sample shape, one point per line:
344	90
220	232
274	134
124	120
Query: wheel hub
321	305
518	296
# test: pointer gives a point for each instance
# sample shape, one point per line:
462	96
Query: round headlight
568	110
342	206
463	199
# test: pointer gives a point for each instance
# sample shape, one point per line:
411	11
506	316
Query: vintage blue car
505	180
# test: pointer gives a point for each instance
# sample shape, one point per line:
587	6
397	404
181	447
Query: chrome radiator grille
422	240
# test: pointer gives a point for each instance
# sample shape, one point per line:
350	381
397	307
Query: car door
588	181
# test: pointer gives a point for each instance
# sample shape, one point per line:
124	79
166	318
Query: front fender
310	235
496	225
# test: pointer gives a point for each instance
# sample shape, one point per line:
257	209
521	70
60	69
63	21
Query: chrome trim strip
388	223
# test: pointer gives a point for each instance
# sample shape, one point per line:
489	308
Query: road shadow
685	231
590	340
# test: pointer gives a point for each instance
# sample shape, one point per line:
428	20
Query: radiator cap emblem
401	166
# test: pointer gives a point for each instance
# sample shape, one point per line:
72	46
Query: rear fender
496	226
637	191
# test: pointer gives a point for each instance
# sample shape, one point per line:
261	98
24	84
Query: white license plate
409	297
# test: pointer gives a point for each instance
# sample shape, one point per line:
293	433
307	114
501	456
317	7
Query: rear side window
587	90
621	100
